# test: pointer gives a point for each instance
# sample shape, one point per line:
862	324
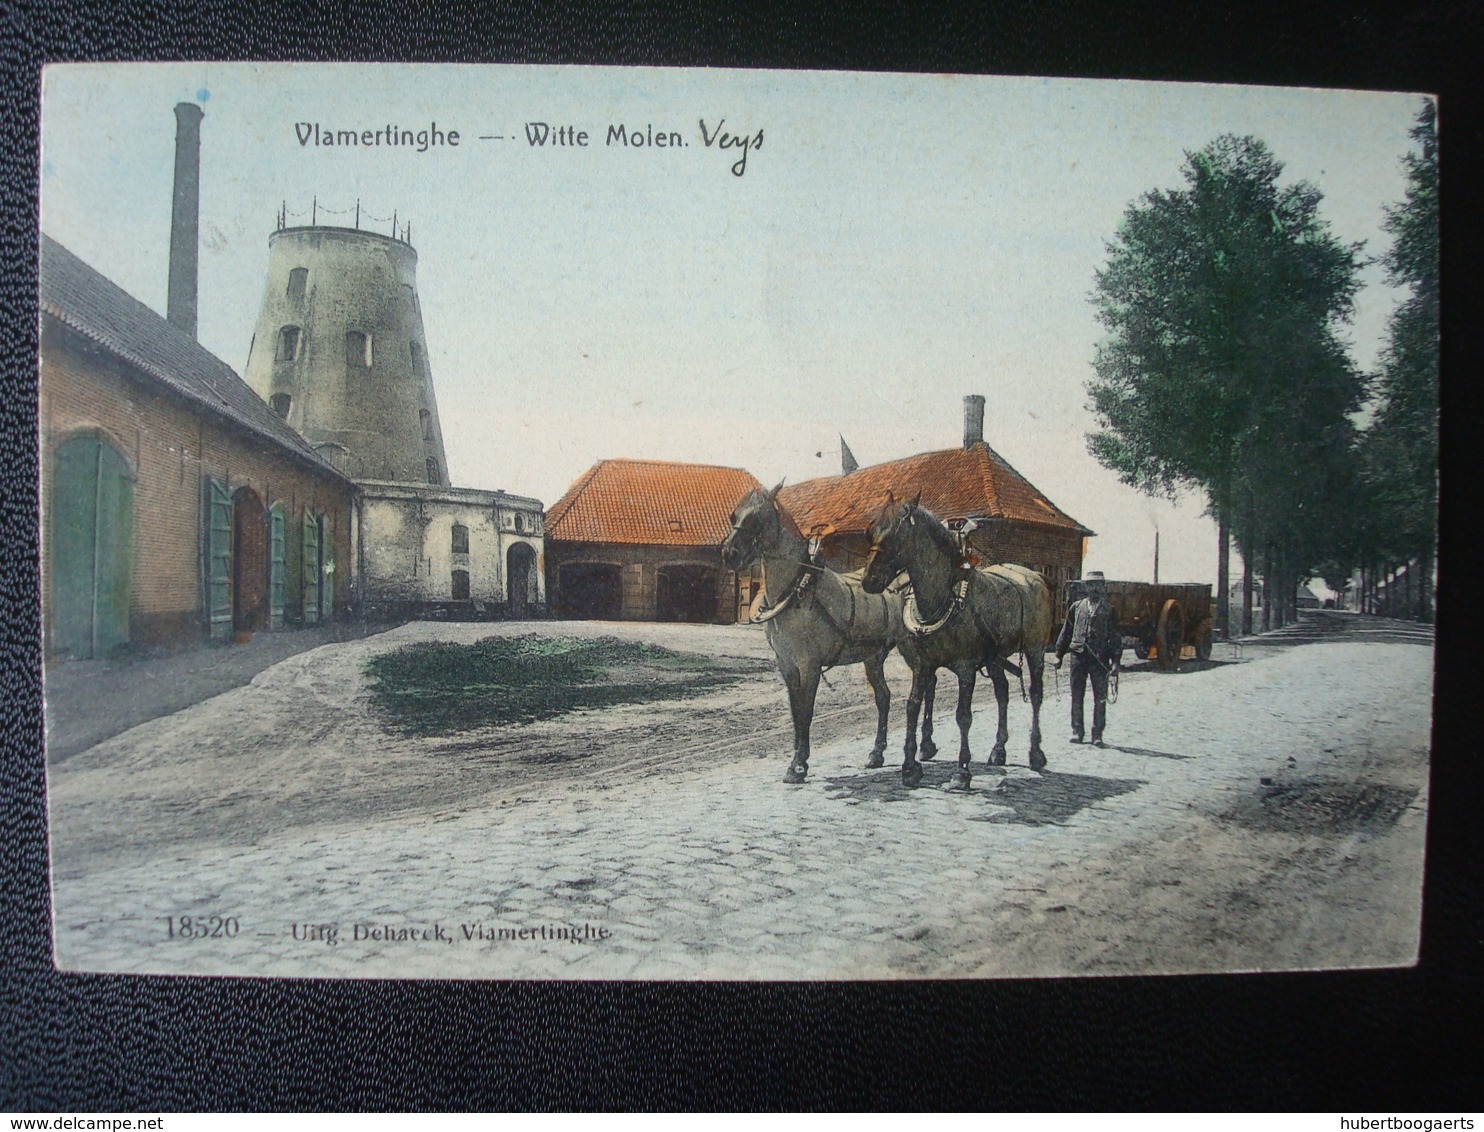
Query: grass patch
440	689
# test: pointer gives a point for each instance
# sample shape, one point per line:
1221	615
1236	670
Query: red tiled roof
956	483
649	503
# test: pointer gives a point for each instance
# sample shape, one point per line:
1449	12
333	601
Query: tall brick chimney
973	420
185	216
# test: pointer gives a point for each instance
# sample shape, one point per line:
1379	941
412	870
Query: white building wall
408	553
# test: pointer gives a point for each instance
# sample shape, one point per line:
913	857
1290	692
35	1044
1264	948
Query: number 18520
201	927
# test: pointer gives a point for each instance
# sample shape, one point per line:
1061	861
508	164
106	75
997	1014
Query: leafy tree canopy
1224	369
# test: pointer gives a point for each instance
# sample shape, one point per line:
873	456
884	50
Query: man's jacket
1092	630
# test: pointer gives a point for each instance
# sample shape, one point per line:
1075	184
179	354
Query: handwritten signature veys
722	140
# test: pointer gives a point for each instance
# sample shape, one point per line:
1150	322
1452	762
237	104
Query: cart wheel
1203	644
1170	636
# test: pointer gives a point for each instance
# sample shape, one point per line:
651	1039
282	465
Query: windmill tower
340	352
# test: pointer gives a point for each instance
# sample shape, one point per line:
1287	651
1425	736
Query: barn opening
520	576
249	561
686	593
591	591
92	543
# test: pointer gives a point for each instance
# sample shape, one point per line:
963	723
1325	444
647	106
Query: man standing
1092	637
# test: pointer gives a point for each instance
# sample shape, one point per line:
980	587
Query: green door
277	565
92	525
309	574
218	560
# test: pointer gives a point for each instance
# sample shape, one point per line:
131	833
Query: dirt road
1260	812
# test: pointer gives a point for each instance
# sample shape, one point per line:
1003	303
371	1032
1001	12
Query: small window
357	349
417	356
288	344
460	539
410	294
433	471
281	403
461	585
297	279
426	419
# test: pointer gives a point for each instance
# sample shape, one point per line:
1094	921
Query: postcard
616	523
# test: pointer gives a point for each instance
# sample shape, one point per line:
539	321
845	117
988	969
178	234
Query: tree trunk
1267	589
1247	592
1281	605
1223	573
1424	590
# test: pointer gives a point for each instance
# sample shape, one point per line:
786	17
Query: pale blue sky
896	242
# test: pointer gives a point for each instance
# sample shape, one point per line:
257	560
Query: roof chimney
185	214
973	420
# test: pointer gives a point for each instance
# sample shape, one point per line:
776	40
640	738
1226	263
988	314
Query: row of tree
1225	372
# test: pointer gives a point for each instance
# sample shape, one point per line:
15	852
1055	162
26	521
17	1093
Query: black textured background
1399	1039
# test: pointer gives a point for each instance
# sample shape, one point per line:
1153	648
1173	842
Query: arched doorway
590	591
686	593
249	561
92	547
520	578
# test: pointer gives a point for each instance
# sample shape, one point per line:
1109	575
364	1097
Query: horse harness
912	618
798	592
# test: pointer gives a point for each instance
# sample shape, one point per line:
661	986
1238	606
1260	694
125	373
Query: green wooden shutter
327	574
277	566
218	560
115	551
92	544
74	534
309	573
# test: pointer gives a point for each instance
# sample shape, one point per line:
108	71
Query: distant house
176	505
640	540
1012	520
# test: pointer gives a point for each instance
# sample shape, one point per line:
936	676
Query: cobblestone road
1263	814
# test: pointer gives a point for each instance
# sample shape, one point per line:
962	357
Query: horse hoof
997	757
795	774
929	750
911	774
1038	759
960	781
876	761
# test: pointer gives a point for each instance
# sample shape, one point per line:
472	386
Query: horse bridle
911	615
808	571
896	564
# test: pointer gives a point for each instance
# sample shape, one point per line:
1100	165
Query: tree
1223	300
1401	446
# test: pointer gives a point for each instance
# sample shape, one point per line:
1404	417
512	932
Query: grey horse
963	618
816	618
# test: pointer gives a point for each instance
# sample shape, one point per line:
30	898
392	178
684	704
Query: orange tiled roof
956	483
649	503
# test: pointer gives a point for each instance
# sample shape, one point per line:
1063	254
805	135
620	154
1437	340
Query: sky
893	243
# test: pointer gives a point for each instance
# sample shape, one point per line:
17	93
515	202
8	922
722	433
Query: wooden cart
1157	619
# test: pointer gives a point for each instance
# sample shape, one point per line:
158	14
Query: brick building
176	505
640	540
1013	521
